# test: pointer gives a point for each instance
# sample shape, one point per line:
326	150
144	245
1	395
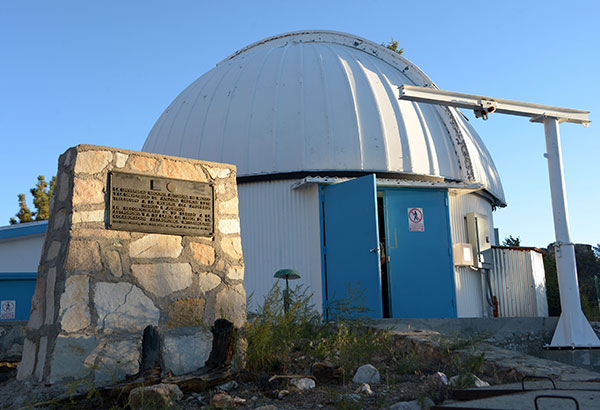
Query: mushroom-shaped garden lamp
287	274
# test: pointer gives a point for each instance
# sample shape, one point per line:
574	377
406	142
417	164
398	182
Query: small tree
393	45
510	241
41	200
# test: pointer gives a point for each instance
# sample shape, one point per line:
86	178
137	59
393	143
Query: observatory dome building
338	178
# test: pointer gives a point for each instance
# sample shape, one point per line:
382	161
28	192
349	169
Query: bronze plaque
160	205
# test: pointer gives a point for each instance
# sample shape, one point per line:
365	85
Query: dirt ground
407	368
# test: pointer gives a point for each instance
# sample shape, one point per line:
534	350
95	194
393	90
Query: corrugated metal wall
280	229
280	224
469	288
518	282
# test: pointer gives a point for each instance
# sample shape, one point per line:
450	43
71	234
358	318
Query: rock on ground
364	388
158	396
413	405
303	383
366	374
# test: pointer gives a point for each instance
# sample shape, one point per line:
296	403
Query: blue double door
392	248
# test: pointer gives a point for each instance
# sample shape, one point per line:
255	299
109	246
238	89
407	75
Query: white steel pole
573	329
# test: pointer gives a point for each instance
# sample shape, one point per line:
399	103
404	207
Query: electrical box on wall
463	254
478	231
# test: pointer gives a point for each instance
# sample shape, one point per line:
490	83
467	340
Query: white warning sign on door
8	309
415	220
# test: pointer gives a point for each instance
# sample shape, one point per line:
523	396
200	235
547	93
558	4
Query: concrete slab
587	400
512	342
543	385
587	358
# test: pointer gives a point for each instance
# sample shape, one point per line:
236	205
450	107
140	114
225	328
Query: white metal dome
321	102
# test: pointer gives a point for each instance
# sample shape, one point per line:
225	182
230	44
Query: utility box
478	231
463	254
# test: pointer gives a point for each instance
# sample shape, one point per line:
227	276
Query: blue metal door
350	244
420	266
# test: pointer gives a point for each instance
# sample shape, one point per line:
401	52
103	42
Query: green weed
272	334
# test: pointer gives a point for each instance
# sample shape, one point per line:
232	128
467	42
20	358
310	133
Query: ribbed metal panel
320	101
469	286
280	229
518	283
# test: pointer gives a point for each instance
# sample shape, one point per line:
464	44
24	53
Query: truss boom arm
488	105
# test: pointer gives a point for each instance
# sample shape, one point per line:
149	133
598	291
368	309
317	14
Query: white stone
229	207
63	187
120	159
366	374
88	216
229	226
230	304
365	389
53	250
74	313
50	284
51	205
38	302
59	219
25	367
162	279
406	405
123	306
236	273
474	380
68	158
218	172
185	353
41	359
232	246
114	264
92	162
413	405
68	358
112	361
208	281
480	383
440	377
303	383
156	246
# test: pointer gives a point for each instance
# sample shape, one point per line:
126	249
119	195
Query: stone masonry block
185	312
156	246
83	256
162	279
74	310
203	253
92	162
123	306
88	191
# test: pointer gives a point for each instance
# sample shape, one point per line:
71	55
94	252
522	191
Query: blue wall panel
18	287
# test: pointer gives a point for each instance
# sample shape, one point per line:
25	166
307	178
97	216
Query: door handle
374	250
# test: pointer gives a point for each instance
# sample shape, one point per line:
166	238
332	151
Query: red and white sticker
415	220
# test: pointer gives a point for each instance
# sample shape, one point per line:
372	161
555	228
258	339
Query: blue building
20	250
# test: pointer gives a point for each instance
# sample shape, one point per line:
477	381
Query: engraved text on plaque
144	203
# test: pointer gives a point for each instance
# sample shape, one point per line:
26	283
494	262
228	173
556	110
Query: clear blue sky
101	72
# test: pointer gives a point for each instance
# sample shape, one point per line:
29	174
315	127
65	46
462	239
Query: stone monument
134	239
